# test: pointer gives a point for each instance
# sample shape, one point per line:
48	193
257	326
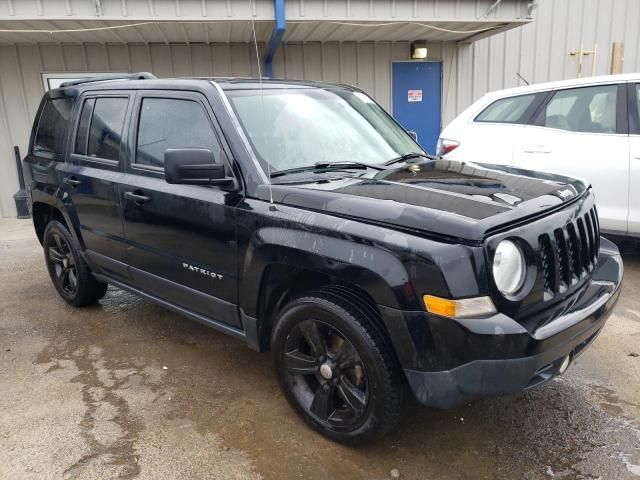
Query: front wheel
336	368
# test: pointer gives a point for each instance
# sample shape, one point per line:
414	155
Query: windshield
290	128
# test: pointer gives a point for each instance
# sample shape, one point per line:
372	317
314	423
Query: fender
57	198
370	267
376	271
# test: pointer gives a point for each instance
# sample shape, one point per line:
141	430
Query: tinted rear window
105	133
584	109
508	110
53	127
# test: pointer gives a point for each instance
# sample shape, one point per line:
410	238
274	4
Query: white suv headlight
509	268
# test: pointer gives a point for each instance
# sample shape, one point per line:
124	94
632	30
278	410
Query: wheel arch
42	214
275	273
47	206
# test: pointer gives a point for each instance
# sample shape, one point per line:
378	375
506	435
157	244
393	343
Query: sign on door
414	95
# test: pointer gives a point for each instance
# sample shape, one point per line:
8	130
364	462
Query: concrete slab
127	389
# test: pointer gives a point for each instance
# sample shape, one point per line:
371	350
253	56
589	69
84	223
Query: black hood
456	199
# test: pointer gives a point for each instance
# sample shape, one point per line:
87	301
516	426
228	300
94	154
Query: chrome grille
567	254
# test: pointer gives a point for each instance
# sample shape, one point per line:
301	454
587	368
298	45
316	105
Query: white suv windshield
291	128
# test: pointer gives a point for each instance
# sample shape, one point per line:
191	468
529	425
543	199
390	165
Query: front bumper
502	357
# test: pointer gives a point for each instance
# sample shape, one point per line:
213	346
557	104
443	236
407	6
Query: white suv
586	128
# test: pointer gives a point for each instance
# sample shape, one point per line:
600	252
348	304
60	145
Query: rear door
92	175
182	243
633	103
582	132
493	135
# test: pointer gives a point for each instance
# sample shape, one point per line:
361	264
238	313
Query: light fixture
419	50
509	267
475	307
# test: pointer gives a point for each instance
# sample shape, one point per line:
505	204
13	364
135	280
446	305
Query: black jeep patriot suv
302	218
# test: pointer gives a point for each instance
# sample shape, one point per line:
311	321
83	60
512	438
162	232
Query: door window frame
97	162
158	172
622	118
633	109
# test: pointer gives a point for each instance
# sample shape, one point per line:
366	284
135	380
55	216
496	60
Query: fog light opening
566	361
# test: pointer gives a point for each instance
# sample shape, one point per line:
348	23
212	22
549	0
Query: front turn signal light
463	308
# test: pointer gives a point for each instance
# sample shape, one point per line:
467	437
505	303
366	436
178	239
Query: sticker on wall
414	95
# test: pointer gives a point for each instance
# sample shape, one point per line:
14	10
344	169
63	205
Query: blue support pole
276	37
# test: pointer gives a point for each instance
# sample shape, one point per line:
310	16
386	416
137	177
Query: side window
105	131
586	109
52	128
508	110
172	123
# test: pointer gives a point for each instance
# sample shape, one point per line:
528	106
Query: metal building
473	46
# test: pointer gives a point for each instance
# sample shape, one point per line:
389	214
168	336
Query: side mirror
194	166
413	135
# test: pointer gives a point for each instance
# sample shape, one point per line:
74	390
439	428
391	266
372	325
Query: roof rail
133	76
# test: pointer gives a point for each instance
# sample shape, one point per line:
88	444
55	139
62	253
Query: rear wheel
336	369
69	273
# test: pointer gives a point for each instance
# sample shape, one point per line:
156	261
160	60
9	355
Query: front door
417	99
181	238
580	133
91	177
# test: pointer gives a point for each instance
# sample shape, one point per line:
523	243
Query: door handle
537	149
73	181
138	198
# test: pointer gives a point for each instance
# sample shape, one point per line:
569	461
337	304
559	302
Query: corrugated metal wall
21	87
539	52
225	9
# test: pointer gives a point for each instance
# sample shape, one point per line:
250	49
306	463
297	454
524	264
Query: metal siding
223	9
138	9
21	85
358	10
209	21
538	51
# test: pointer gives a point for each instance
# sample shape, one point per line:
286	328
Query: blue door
416	99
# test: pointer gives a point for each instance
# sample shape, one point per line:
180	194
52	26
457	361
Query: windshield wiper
327	166
407	156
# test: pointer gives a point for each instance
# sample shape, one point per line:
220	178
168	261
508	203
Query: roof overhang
239	31
182	21
440	30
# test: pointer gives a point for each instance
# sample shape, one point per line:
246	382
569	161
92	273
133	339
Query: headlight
509	267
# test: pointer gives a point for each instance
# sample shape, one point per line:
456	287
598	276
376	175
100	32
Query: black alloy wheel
62	263
70	274
326	374
336	365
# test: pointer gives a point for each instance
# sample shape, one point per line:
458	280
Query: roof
574	82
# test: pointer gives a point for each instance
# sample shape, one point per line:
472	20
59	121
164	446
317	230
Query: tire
350	404
69	273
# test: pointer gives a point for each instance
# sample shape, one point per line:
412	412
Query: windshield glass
290	128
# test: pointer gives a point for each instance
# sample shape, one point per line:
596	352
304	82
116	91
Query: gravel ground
127	389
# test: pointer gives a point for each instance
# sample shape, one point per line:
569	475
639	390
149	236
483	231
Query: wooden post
617	51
